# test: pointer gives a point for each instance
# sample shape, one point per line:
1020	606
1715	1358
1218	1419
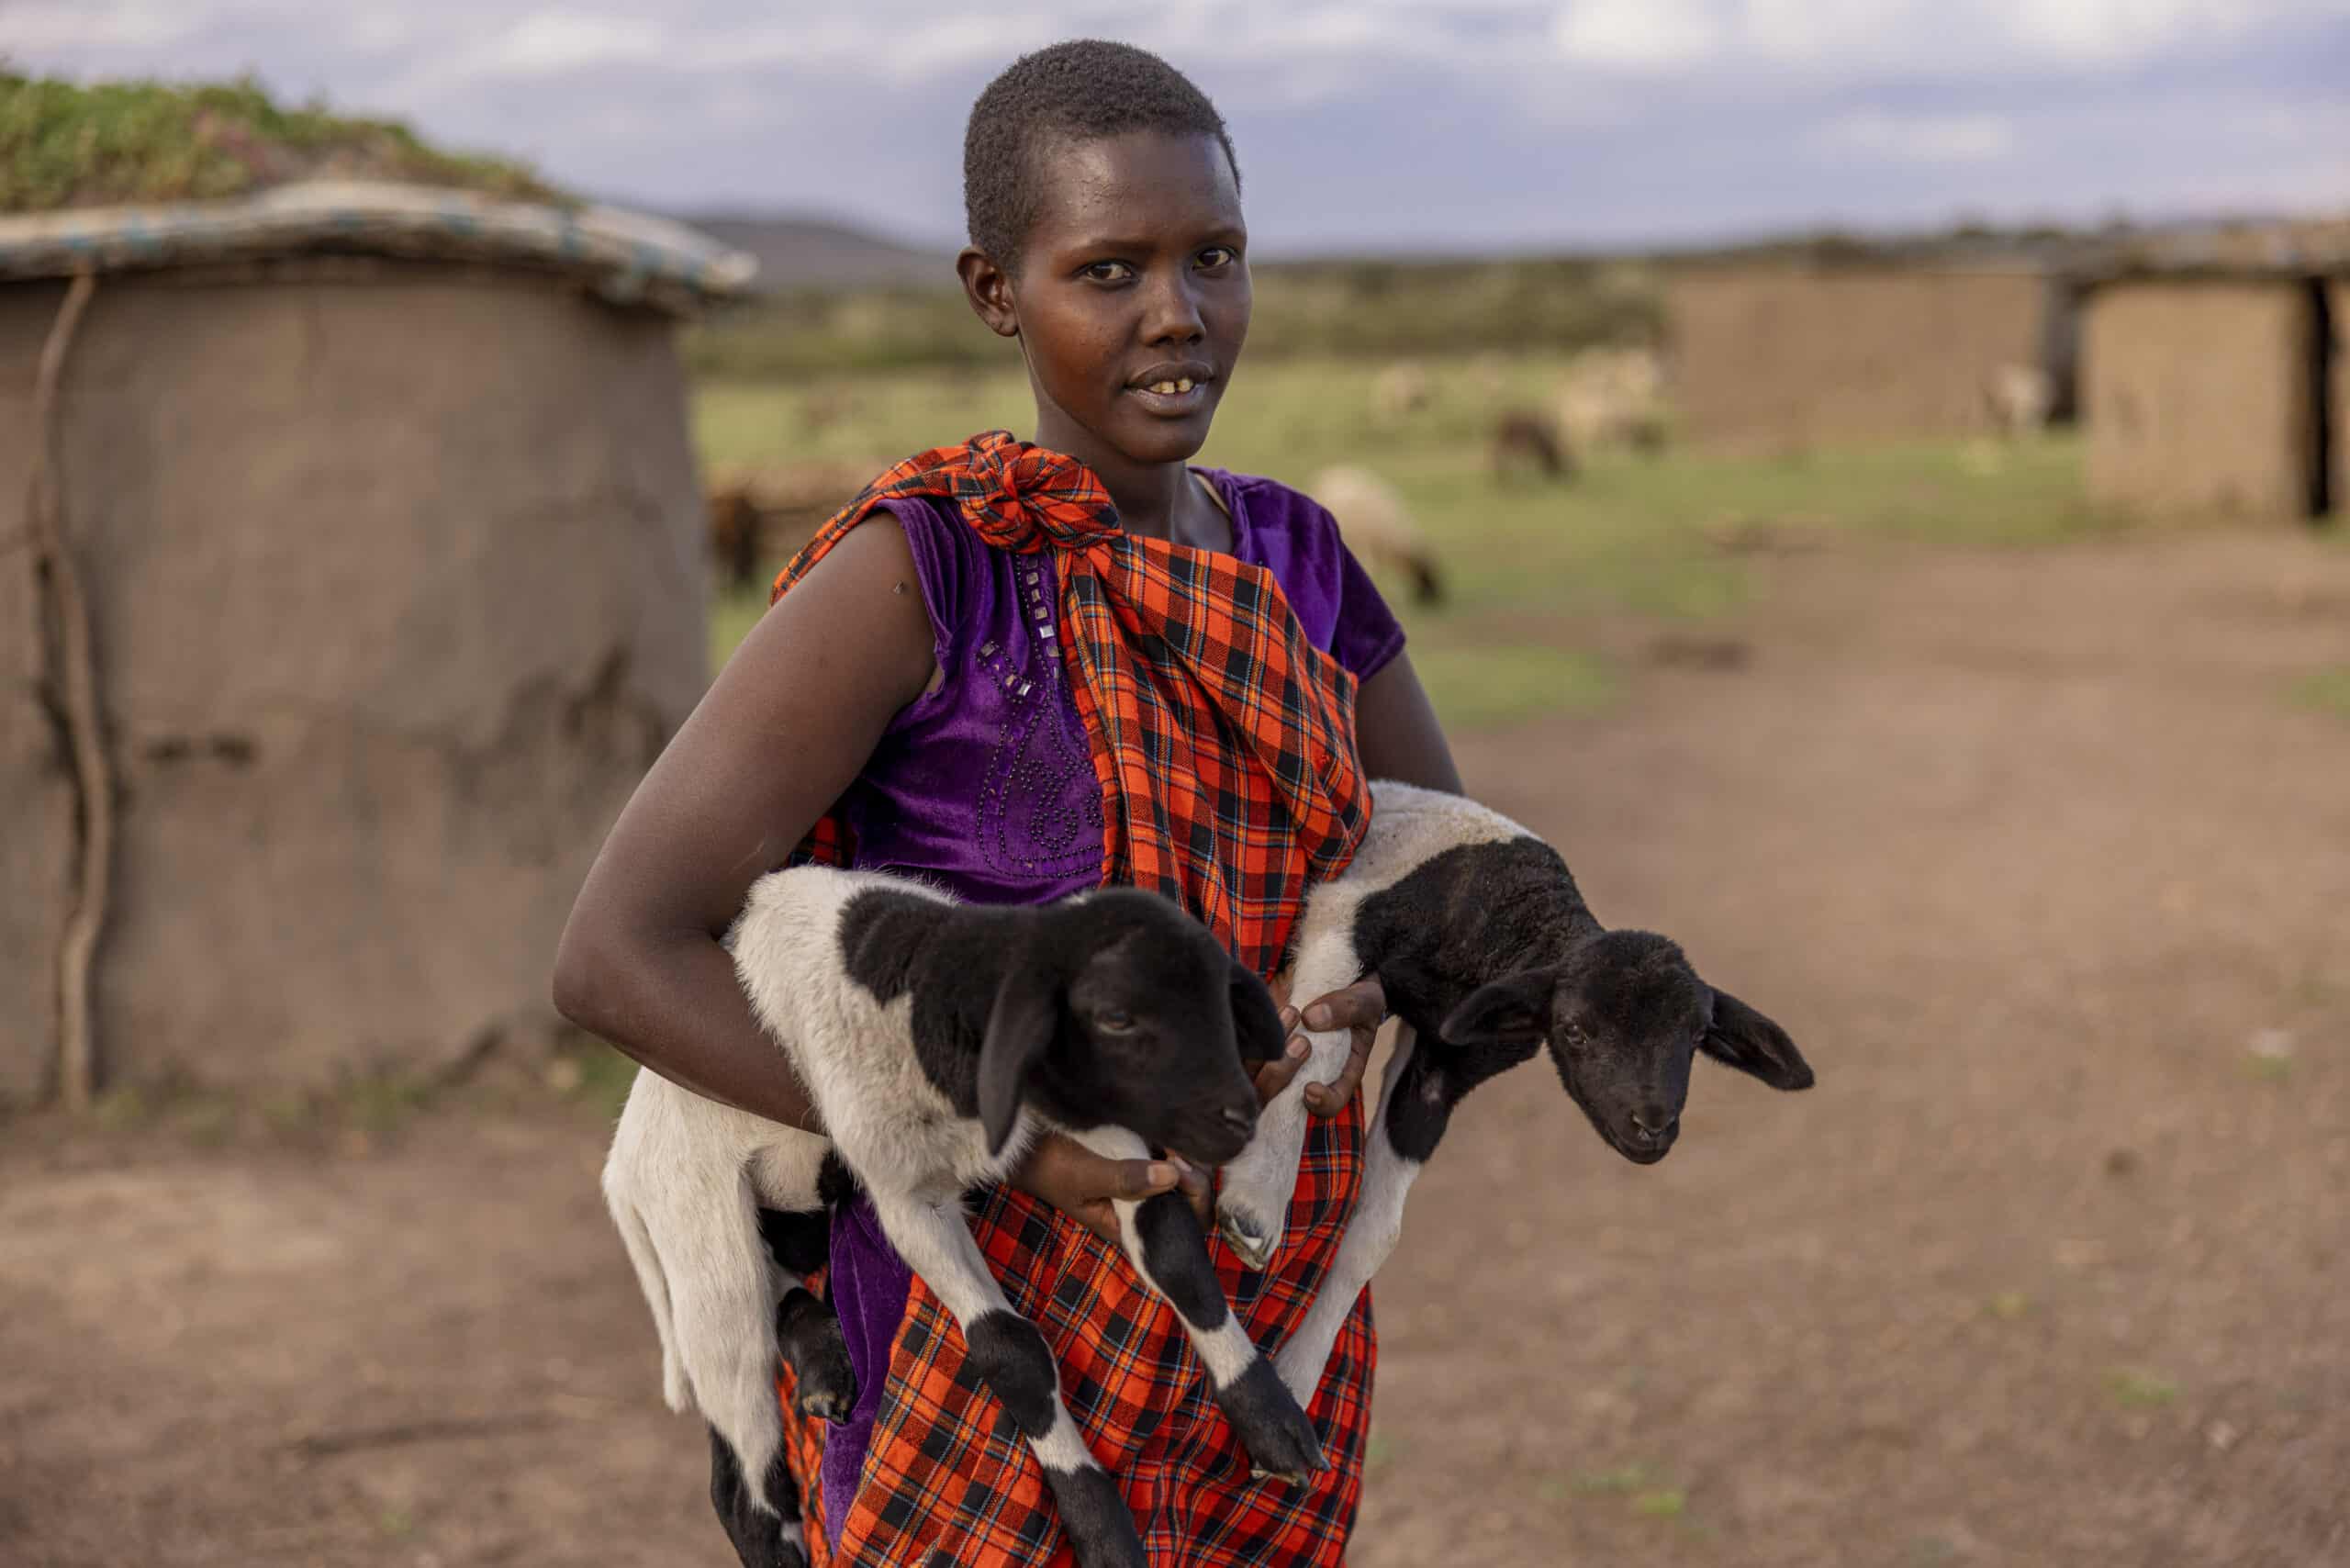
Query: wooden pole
73	680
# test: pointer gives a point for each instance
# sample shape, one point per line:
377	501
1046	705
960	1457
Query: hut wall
36	799
2197	397
396	591
1783	359
2338	306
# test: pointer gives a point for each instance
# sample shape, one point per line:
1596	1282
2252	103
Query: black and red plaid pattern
1224	744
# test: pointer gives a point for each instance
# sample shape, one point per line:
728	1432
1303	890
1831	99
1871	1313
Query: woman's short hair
1078	91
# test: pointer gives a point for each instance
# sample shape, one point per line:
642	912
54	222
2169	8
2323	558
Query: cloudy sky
1430	124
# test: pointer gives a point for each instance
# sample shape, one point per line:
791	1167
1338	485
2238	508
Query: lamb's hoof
824	1405
1252	1240
808	1336
1272	1426
827	1384
1101	1533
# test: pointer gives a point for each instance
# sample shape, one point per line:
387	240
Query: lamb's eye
1574	1033
1115	1022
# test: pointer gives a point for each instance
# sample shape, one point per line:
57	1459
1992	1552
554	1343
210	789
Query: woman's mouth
1172	392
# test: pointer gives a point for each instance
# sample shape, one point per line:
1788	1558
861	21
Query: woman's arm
782	731
1396	732
787	724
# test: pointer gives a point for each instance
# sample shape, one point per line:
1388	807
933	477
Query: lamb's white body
686	1177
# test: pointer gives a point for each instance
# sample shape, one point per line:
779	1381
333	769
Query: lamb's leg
1011	1359
759	1540
1164	1241
686	1212
808	1335
1409	1116
1253	1202
796	1226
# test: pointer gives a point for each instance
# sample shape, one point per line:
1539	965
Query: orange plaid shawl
1224	744
1223	740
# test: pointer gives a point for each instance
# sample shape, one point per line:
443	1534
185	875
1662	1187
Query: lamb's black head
1623	1014
1125	1012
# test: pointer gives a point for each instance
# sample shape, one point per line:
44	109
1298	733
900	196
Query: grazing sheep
1487	952
1378	526
735	533
1399	391
761	514
1613	396
938	1040
2018	396
1520	437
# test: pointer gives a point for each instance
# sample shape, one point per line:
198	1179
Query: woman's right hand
1082	1184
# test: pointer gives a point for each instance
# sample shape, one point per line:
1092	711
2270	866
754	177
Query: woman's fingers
1275	1076
1362	1005
1359	1009
1198	1191
1329	1099
1082	1184
1135	1179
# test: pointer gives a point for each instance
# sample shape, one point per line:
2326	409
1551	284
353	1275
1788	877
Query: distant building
1783	357
2204	363
2217	385
382	501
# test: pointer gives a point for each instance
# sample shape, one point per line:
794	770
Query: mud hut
1780	356
2215	385
389	545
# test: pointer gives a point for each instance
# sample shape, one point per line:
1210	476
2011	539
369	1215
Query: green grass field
1526	562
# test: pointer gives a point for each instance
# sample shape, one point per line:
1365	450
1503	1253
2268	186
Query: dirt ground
2029	850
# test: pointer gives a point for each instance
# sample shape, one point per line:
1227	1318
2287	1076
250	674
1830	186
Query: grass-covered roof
68	144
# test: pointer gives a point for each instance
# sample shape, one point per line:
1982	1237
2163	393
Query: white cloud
1833	37
28	28
1637	35
548	43
1924	139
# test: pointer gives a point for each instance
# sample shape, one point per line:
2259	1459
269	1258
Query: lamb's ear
1515	1009
1743	1038
1026	1015
1256	1021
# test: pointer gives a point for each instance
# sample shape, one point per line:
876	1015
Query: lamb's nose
1654	1121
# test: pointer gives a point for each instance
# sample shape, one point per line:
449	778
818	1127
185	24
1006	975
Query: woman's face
1132	294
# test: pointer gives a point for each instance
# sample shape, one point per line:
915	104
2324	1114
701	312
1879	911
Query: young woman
1021	669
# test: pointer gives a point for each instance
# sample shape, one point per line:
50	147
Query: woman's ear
989	288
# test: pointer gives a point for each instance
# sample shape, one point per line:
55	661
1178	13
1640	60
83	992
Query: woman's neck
1155	501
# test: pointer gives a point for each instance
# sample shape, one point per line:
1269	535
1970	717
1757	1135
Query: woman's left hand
1359	1009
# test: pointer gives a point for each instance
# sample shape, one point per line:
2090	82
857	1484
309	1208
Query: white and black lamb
1487	952
938	1040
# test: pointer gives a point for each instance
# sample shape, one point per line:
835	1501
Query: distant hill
809	252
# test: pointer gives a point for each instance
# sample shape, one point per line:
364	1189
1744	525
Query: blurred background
1865	479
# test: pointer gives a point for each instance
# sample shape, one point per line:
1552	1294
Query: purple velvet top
985	786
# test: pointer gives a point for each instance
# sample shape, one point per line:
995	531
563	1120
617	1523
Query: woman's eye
1108	272
1218	256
